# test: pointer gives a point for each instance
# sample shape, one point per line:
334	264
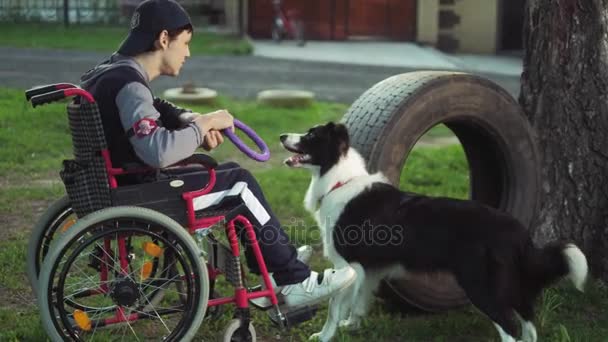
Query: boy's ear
162	41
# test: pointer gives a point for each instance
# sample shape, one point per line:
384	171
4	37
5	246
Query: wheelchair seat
165	195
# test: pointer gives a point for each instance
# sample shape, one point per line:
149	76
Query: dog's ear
341	134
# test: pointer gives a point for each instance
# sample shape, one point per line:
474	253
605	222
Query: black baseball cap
149	19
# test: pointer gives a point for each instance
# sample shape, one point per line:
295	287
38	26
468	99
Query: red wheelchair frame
242	295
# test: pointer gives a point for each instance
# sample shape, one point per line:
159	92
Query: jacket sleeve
170	113
159	146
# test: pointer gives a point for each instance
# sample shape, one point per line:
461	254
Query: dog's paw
350	324
318	337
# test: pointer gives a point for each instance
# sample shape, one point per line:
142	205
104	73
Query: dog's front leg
361	297
338	310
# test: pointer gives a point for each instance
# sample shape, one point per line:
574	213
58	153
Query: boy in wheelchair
143	130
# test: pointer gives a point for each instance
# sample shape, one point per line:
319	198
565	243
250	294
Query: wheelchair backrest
85	177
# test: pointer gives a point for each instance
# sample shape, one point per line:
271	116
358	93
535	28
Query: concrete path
389	54
336	77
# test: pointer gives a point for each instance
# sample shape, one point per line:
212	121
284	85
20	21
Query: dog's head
320	148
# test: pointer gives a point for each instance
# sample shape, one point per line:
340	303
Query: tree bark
564	93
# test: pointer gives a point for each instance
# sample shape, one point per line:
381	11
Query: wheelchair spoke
157	315
82	283
150	281
162	288
129	325
159	311
103	261
89	278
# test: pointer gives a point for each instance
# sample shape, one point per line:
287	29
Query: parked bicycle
287	24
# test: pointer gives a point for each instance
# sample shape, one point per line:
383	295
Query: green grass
437	171
106	38
439	131
33	143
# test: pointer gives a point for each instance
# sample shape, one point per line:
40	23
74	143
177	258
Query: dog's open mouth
297	159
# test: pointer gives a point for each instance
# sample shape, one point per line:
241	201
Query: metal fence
98	11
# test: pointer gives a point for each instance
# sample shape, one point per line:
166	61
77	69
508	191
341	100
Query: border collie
380	231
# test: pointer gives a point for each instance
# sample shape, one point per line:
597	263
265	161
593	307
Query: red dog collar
336	186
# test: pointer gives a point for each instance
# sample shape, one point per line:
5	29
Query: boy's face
174	56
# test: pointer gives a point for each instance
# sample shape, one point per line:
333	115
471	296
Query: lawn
33	143
106	38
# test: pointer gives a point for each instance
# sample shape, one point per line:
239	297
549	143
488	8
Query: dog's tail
546	265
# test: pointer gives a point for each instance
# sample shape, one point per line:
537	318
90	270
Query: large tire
386	122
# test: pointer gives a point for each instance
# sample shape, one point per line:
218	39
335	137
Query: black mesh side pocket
87	189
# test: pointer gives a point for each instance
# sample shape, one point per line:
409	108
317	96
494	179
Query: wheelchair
137	261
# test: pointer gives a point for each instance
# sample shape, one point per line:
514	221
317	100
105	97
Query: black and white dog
380	231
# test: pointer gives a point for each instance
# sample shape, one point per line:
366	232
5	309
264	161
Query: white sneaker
304	253
310	291
314	290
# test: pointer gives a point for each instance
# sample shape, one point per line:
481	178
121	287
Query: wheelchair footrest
261	303
294	317
255	288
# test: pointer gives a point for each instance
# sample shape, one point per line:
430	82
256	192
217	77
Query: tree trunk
565	95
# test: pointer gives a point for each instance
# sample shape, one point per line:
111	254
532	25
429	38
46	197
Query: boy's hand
218	120
211	124
212	140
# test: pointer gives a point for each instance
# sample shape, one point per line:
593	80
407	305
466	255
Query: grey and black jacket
120	87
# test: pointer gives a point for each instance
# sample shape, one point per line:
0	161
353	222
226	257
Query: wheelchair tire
57	216
387	120
134	222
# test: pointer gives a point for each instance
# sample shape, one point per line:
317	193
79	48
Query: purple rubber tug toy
262	156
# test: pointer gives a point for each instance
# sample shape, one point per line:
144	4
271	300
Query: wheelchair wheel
59	217
98	280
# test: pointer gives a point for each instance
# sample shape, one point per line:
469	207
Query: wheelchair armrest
209	163
199	158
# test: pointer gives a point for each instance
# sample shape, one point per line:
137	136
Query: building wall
466	26
477	31
341	19
427	21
